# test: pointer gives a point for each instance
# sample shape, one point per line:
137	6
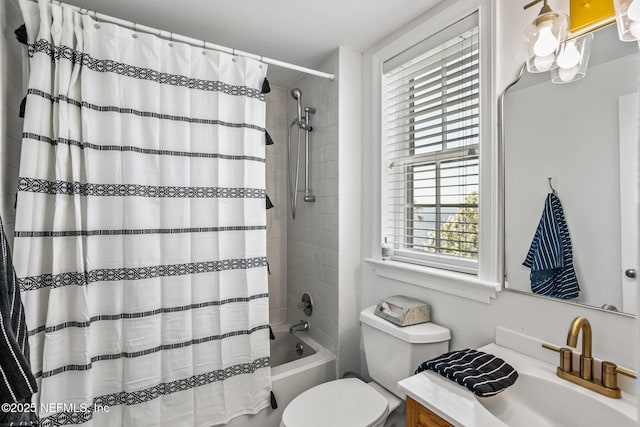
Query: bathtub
291	374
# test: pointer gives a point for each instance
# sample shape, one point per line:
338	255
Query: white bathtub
291	374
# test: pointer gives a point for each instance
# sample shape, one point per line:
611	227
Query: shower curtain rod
167	35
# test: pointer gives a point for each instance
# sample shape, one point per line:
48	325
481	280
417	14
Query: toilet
392	353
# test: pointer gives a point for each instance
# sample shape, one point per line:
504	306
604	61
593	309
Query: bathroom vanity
419	416
539	398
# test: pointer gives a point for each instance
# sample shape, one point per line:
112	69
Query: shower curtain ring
170	39
135	31
233	52
96	25
204	47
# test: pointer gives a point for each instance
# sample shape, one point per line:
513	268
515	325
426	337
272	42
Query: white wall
349	207
616	335
277	216
473	323
11	94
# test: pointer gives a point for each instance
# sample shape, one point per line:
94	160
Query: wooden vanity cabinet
419	416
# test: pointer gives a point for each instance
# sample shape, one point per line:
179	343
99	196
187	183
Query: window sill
449	282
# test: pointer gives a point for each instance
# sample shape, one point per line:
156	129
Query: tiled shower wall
312	238
277	216
11	93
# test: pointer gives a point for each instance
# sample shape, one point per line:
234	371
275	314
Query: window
430	149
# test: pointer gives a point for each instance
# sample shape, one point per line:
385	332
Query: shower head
297	95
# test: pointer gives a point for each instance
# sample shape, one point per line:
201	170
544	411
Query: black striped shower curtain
140	243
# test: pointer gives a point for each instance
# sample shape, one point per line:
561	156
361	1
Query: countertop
449	400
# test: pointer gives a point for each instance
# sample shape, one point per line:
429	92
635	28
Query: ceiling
288	30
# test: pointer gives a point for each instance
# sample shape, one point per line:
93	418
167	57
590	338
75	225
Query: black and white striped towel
482	373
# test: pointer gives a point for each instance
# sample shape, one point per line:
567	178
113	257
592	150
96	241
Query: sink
539	398
536	402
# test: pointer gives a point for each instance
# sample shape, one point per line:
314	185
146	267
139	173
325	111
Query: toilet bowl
392	353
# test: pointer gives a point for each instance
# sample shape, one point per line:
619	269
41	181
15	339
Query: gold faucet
607	384
586	359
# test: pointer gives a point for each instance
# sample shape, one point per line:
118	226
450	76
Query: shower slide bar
303	123
194	42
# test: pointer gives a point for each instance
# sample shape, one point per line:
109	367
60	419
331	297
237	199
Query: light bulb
546	43
567	74
543	63
633	11
569	56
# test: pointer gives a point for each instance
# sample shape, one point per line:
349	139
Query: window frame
483	284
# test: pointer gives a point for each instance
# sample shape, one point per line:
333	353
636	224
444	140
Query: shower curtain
140	242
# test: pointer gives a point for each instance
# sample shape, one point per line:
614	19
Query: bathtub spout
302	326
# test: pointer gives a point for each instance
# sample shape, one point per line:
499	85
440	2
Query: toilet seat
347	402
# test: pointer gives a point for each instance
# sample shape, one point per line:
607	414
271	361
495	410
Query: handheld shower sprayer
297	95
301	121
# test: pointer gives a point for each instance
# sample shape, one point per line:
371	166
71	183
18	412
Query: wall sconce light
628	17
572	60
542	38
549	47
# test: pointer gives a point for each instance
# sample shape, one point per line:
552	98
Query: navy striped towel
550	257
482	373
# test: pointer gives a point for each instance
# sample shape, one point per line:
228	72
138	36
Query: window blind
430	145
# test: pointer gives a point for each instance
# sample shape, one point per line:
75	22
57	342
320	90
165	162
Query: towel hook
553	190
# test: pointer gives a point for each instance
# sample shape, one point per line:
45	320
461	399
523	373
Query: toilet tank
393	352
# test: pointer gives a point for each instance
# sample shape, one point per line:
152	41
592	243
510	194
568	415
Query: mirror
584	135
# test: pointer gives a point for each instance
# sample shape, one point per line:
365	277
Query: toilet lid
342	403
